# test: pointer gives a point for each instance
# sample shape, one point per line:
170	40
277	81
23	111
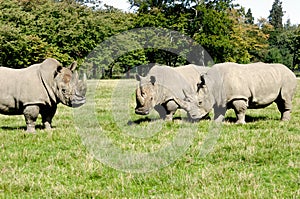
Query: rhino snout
197	115
78	101
142	111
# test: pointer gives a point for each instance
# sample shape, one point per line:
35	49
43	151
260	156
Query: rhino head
62	83
198	104
205	97
145	95
69	89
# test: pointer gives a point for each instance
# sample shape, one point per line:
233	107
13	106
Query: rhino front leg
240	107
219	113
161	111
31	113
47	116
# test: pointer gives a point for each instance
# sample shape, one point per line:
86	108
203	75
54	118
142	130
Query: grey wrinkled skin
166	89
38	89
246	86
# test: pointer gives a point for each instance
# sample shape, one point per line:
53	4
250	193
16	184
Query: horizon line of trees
32	30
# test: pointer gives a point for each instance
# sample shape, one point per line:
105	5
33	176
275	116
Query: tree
32	30
282	44
276	14
249	17
296	49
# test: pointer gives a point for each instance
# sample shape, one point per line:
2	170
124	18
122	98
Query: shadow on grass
11	128
177	118
249	119
141	120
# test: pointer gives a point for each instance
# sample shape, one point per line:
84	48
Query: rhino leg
219	113
161	111
285	109
171	107
166	110
47	116
31	113
169	116
240	107
286	115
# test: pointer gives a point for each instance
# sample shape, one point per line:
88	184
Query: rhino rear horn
184	105
75	76
84	77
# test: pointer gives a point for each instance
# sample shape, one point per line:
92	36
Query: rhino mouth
78	101
142	111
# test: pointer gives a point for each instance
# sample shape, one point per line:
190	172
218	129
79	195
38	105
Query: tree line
32	30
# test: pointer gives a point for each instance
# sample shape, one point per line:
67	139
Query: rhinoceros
246	86
164	86
38	89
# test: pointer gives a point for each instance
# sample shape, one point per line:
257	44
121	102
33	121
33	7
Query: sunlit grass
260	159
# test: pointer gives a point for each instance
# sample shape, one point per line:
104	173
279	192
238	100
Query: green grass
260	159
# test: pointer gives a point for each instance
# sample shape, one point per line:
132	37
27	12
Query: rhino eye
64	90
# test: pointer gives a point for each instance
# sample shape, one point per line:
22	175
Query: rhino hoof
31	131
240	122
47	126
285	119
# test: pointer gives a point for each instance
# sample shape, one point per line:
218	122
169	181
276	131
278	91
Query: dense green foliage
31	30
260	159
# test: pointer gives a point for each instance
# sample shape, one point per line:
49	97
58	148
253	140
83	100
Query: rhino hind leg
285	109
166	110
286	115
240	107
171	108
31	113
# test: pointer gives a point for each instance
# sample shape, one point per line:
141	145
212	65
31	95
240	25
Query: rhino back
171	83
191	73
20	87
259	83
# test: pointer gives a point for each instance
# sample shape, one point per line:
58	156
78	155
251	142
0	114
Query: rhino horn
184	105
139	96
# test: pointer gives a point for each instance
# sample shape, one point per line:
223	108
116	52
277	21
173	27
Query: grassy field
260	159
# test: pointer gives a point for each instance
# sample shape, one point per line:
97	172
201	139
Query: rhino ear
73	66
201	84
138	77
152	80
58	70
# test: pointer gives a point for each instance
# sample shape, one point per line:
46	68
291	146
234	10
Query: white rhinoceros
38	89
246	86
164	86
